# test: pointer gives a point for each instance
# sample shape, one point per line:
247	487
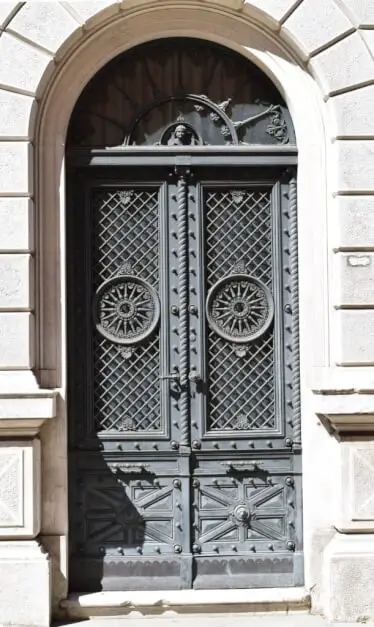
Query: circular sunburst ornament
240	308
126	309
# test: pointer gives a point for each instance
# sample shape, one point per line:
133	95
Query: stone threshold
86	605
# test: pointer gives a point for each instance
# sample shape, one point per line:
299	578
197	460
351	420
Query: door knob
194	376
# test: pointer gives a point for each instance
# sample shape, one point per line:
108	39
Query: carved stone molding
24	414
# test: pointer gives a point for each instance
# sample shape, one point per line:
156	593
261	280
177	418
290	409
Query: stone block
343	65
16	282
15	111
19	489
362	11
47	24
353	279
15	167
357	486
25	591
7	9
16	224
276	9
355	163
15	71
86	9
313	28
352	113
348	578
16	340
353	340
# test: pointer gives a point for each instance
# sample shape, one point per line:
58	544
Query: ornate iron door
184	389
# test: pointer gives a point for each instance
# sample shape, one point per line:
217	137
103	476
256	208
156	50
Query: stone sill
344	399
23	414
117	603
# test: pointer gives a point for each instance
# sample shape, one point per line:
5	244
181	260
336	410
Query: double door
184	451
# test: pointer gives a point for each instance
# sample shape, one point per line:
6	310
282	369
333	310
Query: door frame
97	161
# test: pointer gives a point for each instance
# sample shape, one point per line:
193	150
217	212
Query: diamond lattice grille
126	391
238	224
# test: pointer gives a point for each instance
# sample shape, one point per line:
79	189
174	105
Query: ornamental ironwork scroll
177	93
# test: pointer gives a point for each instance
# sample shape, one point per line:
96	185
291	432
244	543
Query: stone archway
61	57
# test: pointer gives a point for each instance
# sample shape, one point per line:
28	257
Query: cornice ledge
23	414
344	400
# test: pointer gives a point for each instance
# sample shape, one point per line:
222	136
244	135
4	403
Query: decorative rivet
270	547
139	549
119	447
252	548
137	446
196	548
196	483
196	444
290	503
192	234
174	445
177	548
174	234
269	443
174	252
120	550
289	481
215	445
291	546
194	424
233	444
289	442
174	216
234	548
175	423
157	549
288	309
174	310
215	548
193	309
155	447
251	444
177	484
192	252
178	505
178	526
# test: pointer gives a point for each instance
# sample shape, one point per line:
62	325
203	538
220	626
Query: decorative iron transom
176	93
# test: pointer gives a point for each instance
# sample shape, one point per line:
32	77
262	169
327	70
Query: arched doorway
184	409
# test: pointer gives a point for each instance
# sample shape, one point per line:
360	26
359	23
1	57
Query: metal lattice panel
241	387
120	383
126	232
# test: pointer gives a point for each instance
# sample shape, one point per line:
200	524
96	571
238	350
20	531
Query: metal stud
119	446
157	549
179	526
174	445
177	484
215	445
177	548
291	546
120	550
215	548
196	548
234	547
289	481
139	549
270	547
233	444
174	310
253	548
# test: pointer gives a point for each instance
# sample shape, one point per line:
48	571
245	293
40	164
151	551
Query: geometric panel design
11	489
128	516
362	483
241	514
126	231
241	383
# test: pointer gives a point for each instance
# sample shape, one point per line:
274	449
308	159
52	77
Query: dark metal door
184	389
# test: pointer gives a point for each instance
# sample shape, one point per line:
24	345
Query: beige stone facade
320	55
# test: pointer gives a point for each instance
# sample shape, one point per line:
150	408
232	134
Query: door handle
194	376
170	377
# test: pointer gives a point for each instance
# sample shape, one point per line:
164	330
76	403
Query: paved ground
210	620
